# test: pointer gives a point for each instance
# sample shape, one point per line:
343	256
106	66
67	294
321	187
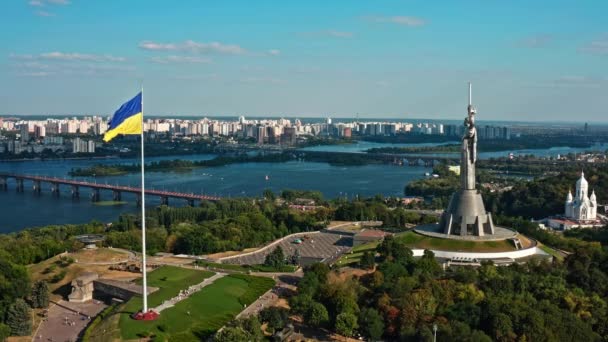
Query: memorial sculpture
466	214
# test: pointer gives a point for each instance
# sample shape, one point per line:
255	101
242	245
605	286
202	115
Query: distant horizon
291	117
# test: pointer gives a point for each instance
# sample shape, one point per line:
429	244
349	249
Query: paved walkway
183	294
66	321
316	245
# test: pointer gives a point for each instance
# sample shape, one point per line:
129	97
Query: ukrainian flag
128	119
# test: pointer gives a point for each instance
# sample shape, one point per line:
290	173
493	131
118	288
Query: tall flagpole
143	210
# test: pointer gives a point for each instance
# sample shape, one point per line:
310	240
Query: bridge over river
116	190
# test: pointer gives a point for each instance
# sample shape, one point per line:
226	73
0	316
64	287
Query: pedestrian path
183	294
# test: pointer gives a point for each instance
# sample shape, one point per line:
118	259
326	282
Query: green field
109	203
170	280
246	268
349	259
415	240
552	252
201	314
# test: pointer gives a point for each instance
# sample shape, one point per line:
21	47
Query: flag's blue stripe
130	108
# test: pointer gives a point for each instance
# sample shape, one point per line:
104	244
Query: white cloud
46	3
399	20
62	56
36	74
60	63
68	56
180	59
274	52
32	65
596	47
192	46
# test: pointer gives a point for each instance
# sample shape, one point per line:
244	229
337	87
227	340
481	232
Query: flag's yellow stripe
131	125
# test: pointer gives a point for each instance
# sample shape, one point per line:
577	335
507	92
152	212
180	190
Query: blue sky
528	60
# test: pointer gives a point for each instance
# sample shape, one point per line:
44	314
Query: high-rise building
24	133
39	131
261	134
83	146
289	136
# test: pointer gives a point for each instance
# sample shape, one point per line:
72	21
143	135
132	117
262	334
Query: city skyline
405	60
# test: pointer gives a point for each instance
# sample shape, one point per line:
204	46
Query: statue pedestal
466	215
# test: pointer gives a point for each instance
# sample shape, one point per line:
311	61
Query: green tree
275	317
231	334
346	324
252	326
40	294
276	258
19	318
371	324
317	314
479	336
14	281
269	195
5	332
503	328
428	265
368	260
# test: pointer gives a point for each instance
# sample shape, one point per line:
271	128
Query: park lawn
170	280
204	312
415	240
356	253
552	252
245	268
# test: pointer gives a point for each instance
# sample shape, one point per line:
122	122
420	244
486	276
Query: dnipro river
23	210
362	146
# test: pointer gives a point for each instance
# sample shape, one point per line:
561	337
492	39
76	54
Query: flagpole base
151	315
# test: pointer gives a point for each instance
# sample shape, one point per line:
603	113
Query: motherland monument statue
466	214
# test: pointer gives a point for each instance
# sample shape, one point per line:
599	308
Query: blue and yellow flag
126	120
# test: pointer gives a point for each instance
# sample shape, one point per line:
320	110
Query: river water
22	210
362	146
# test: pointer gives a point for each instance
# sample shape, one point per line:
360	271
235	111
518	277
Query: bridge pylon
164	200
95	196
55	188
116	195
75	191
37	187
19	182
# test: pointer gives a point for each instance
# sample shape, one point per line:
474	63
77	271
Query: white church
580	210
582	207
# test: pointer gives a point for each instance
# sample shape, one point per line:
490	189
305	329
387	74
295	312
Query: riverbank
483	146
177	165
62	158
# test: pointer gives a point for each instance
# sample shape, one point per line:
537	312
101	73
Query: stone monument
466	213
82	287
